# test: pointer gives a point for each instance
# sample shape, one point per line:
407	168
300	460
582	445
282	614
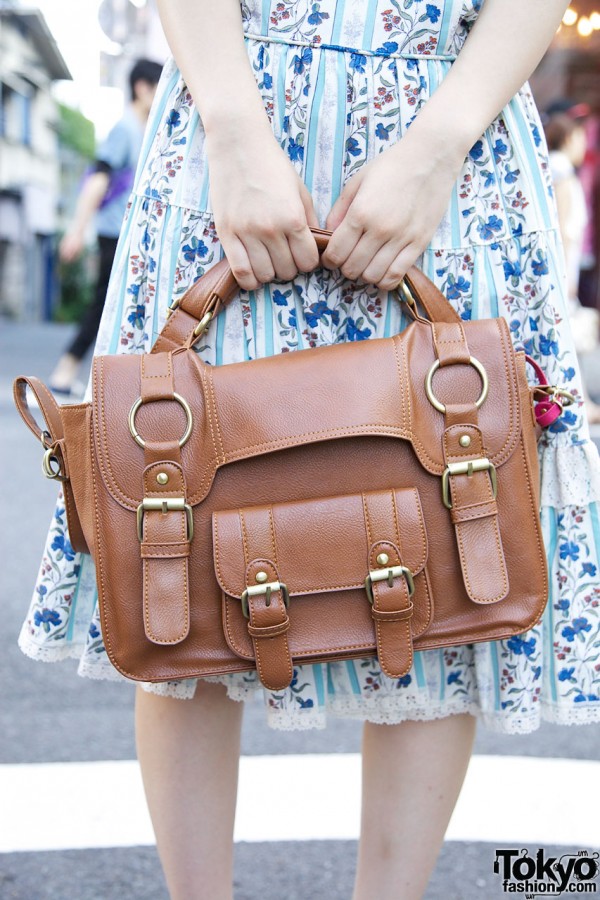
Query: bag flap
242	410
317	545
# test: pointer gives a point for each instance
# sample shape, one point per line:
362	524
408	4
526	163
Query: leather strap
54	427
474	511
213	291
450	344
165	550
392	606
165	544
475	516
156	374
268	619
157	384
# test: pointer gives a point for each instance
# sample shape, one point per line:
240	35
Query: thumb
343	202
309	209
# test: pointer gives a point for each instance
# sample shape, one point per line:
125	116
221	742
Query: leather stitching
205	376
211	389
229	601
274	543
180	489
167	374
379	641
403	433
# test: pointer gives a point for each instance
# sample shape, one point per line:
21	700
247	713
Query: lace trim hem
525	724
50	653
570	475
380	711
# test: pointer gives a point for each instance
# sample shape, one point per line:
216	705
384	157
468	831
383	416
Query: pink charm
550	408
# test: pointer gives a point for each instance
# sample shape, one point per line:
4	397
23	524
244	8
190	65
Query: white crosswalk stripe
505	799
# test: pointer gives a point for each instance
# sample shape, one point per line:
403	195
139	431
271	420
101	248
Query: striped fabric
341	80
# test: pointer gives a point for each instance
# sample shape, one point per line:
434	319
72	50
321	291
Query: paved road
48	715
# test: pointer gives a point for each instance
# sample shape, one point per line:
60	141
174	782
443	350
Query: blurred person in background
567	145
104	194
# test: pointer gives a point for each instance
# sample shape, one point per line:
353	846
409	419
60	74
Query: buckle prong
467	467
164	505
388	573
257	590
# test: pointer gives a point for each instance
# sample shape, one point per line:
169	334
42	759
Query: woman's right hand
261	207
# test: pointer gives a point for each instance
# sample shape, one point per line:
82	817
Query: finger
304	250
282	259
239	262
399	267
260	259
380	263
341	244
363	254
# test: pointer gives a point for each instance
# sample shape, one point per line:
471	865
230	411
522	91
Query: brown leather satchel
359	498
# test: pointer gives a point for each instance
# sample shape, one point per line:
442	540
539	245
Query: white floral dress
341	80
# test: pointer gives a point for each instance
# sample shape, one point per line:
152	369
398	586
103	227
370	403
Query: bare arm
90	198
261	208
505	45
206	39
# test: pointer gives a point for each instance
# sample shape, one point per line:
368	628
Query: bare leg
189	754
412	776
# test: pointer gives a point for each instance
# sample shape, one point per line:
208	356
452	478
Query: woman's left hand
387	213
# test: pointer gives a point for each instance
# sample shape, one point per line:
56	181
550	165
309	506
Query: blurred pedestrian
104	194
567	145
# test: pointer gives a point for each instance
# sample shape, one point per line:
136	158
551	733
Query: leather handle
214	290
46	402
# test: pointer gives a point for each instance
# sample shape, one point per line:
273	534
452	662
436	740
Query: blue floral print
340	81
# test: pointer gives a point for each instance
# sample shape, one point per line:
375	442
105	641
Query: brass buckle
50	456
182	402
407	295
467	467
255	590
165	504
203	324
171	309
429	384
388	574
556	394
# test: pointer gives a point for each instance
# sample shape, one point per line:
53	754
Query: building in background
45	147
135	32
30	62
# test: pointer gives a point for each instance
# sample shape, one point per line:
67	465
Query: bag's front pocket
330	577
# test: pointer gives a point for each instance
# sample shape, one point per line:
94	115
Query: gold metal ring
47	460
182	402
429	388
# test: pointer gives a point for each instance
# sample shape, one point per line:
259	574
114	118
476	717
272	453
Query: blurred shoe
64	374
72	392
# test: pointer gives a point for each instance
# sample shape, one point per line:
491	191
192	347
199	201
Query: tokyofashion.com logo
570	873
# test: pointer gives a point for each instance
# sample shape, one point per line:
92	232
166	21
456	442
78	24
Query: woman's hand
387	213
262	209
